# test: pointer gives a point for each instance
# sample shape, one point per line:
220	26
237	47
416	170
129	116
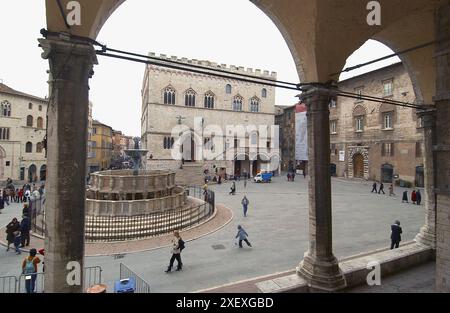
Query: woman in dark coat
405	197
11	228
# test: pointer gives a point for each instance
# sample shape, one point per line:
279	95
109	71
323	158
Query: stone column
442	149
427	234
71	66
319	266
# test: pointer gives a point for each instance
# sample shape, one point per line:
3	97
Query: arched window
228	89
40	122
5	109
237	103
29	121
29	147
169	95
264	93
209	100
254	104
189	98
39	147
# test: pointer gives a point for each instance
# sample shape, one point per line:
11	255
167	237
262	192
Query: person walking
242	235
413	197
381	190
2	203
391	190
405	197
30	269
396	237
245	203
25	227
5	197
20	195
11	229
233	189
177	246
419	197
27	195
374	187
26	210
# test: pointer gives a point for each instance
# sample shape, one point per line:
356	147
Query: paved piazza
277	228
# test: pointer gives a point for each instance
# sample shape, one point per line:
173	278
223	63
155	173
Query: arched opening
40	123
43	173
32	174
2	162
29	121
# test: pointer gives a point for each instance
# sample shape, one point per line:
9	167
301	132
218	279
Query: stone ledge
355	268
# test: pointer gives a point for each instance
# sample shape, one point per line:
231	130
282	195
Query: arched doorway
358	166
32	173
420	177
43	173
387	173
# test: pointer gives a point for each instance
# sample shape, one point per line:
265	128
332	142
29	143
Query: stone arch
2	162
364	152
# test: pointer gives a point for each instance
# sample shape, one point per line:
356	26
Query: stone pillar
319	266
427	234
442	149
71	66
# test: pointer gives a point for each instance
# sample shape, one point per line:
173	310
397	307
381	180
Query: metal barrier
38	283
141	285
37	214
92	276
8	284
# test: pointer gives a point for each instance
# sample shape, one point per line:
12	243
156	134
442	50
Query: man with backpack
30	269
177	246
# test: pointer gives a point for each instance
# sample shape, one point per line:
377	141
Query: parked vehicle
263	178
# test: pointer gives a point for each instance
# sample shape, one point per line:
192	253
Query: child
17	241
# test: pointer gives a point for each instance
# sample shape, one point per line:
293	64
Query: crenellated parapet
213	65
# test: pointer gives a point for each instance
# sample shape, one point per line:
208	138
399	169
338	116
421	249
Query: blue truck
263	178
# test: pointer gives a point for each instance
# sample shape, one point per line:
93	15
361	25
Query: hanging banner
301	133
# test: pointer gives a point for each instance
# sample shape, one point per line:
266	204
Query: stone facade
22	131
367	137
102	147
285	119
172	97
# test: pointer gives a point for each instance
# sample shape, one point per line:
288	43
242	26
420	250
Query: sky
223	31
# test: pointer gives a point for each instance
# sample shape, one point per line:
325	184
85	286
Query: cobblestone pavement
277	225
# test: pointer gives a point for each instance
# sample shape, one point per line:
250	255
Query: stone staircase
190	175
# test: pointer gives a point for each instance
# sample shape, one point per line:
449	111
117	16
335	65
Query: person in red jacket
414	197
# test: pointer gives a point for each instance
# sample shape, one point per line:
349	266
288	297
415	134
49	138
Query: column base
322	275
426	237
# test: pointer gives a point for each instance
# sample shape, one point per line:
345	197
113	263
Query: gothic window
169	95
30	106
228	89
40	108
254	104
29	121
209	100
29	147
5	109
40	122
189	98
39	147
264	93
237	103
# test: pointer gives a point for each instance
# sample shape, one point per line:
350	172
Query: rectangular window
388	88
419	153
359	91
30	106
387	120
333	149
4	133
359	124
8	163
333	127
333	103
387	149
